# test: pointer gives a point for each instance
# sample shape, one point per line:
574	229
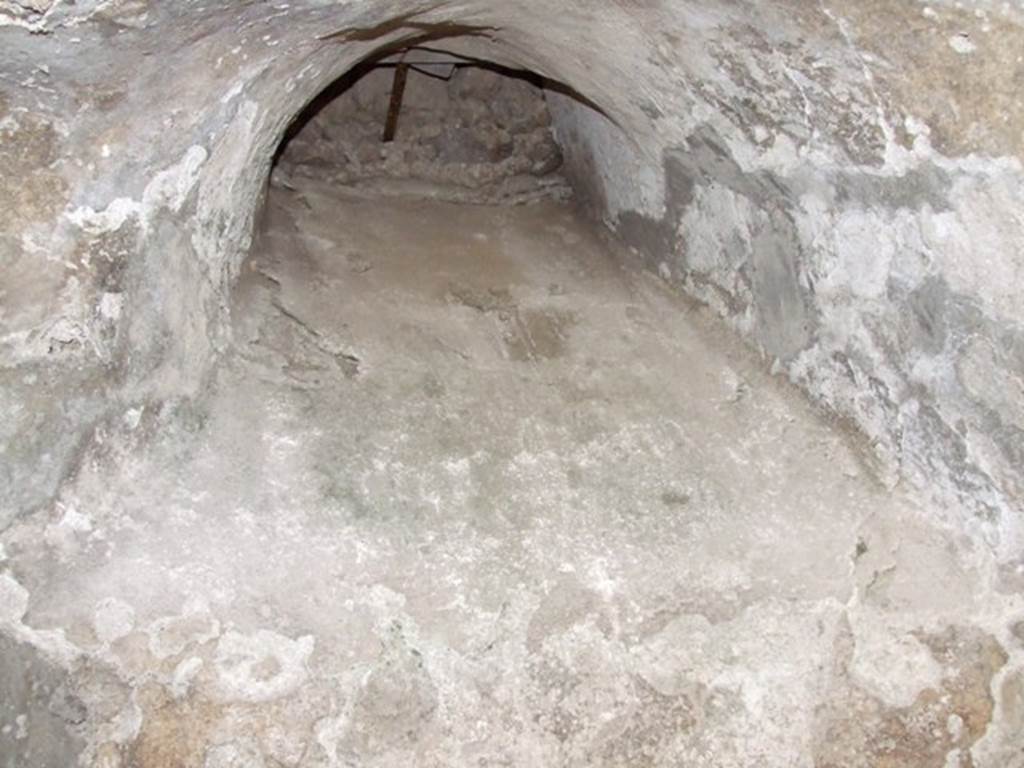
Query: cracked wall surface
828	204
841	181
465	490
849	205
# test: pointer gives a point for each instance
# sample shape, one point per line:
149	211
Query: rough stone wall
473	133
882	275
849	202
841	180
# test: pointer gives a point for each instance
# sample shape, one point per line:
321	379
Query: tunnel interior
511	384
471	129
419	145
400	174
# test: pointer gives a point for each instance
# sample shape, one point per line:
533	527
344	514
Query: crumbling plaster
871	249
841	181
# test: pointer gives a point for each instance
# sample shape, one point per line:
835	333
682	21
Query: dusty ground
469	492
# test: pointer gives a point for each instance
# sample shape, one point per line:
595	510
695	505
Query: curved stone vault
840	183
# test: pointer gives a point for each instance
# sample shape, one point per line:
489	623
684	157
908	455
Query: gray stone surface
842	249
840	181
800	116
470	488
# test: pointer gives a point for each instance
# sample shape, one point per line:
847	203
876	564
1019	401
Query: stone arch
758	131
255	107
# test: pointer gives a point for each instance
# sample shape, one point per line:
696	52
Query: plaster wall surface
849	204
471	488
842	182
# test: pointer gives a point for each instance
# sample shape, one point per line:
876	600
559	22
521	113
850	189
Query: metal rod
397	91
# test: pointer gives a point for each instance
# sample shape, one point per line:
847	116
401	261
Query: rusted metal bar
397	91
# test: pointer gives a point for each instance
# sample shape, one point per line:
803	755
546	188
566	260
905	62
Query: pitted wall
769	158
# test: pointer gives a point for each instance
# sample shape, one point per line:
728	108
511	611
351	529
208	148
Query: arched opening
463	129
464	422
434	174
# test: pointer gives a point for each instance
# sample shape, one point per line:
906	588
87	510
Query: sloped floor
471	490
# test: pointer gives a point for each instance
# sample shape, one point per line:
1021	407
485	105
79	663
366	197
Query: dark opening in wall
425	121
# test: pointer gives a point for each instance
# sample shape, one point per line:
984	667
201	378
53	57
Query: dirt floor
473	490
